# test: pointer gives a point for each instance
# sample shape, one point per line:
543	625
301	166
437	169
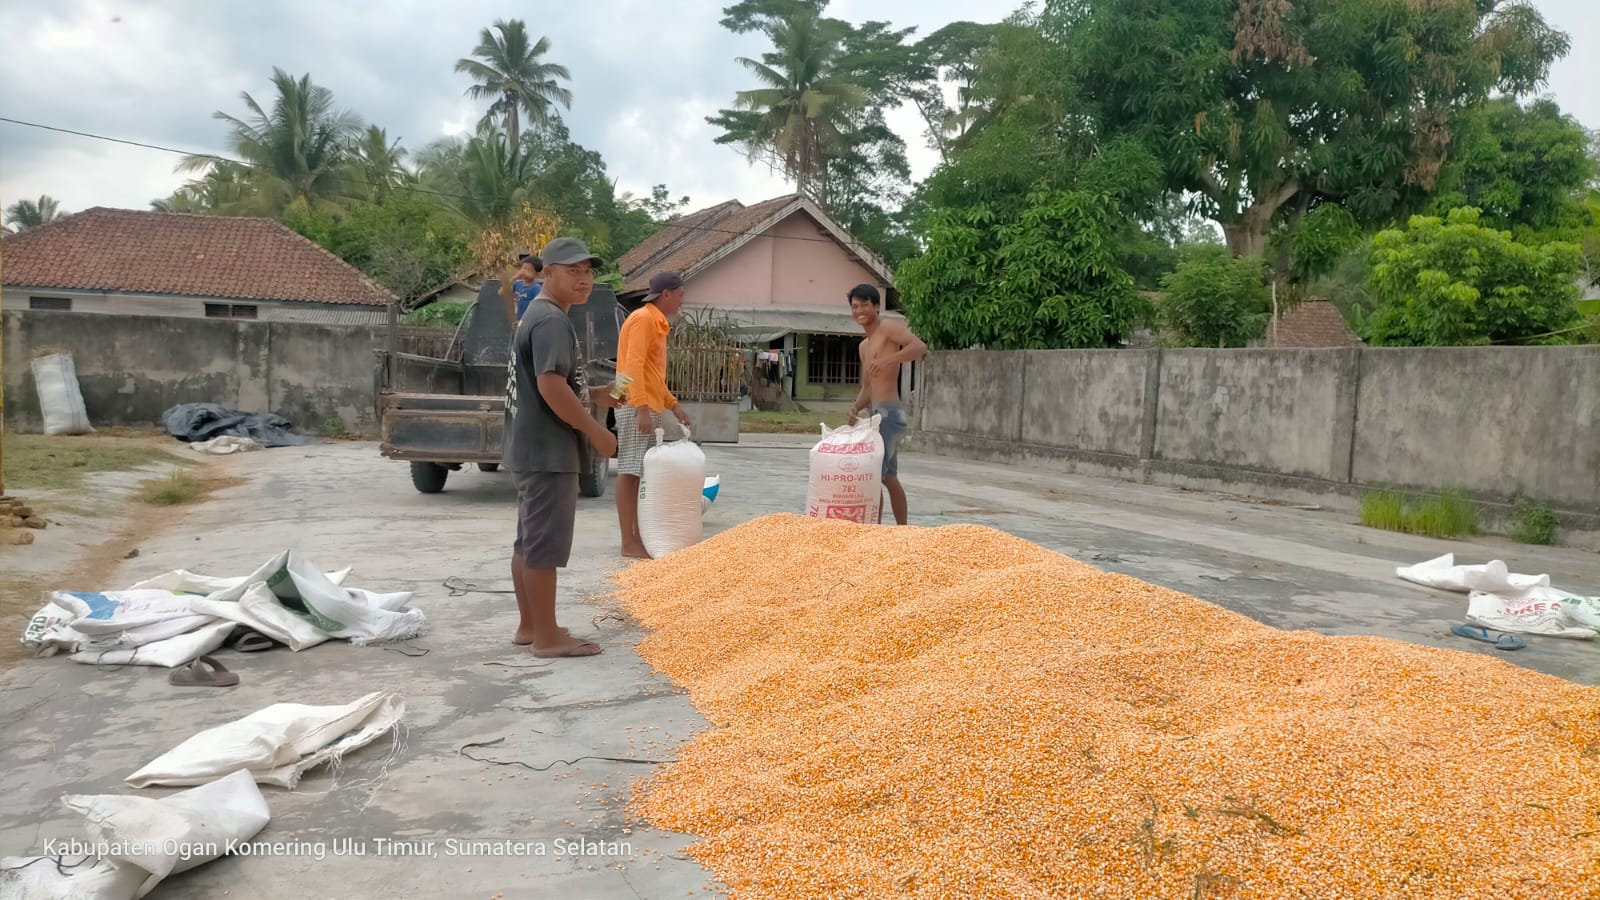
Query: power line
415	189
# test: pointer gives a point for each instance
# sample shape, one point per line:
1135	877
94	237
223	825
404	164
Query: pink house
781	270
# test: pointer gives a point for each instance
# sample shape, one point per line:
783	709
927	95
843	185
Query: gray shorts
892	427
547	513
631	445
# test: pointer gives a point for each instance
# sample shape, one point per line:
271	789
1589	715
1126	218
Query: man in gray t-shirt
547	426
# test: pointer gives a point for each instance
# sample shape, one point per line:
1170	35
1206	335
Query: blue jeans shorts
892	427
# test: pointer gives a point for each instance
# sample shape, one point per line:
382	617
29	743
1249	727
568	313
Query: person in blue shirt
527	283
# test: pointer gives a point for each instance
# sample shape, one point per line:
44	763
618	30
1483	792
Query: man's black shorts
547	511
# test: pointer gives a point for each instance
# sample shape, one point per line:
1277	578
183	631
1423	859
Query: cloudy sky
645	74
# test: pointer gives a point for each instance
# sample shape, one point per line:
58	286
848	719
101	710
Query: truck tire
488	467
428	477
593	482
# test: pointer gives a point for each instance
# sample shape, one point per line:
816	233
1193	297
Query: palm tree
296	152
25	214
509	71
486	180
226	187
796	117
378	164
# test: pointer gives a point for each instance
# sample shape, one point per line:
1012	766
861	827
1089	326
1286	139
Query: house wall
741	279
789	267
100	303
1500	423
131	369
812	272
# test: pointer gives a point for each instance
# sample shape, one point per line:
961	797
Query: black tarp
196	422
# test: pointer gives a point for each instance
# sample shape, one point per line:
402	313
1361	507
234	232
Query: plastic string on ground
559	762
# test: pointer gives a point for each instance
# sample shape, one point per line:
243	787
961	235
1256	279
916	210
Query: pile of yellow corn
955	712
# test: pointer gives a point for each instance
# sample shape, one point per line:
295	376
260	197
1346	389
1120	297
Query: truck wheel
593	482
488	467
428	477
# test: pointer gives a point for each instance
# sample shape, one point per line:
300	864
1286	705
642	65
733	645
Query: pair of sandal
207	672
1501	641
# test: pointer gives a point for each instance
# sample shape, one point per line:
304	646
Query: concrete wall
1499	423
132	369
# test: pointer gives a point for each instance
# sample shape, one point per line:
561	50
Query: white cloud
645	76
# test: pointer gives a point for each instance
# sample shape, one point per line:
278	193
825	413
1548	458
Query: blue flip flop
1479	633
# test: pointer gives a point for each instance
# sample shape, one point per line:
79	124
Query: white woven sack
670	495
60	401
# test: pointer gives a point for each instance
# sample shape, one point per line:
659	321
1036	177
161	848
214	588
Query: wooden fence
434	343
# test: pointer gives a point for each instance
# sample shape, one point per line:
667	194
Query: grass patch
175	490
332	427
1448	515
800	421
60	463
1534	523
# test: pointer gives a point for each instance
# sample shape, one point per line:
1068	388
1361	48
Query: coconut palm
296	152
225	187
795	118
377	164
486	180
510	71
25	214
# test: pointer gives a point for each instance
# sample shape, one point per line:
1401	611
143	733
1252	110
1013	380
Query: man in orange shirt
642	356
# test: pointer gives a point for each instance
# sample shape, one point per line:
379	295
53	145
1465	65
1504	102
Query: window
52	304
833	359
230	311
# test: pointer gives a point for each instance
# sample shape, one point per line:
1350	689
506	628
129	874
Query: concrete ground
73	728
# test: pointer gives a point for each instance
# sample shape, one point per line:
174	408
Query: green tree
1226	93
1046	279
953	54
1213	299
795	119
295	154
405	242
1527	167
510	71
1455	282
25	214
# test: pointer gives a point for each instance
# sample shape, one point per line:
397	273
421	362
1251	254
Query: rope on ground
61	865
559	762
460	587
402	647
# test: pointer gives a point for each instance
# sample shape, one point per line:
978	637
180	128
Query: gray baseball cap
569	251
661	282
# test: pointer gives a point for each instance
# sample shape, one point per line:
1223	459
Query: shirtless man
889	343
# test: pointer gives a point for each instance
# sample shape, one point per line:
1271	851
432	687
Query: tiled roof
697	236
675	233
132	251
1311	324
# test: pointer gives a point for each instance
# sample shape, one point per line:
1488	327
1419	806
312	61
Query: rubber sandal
1479	633
250	641
203	672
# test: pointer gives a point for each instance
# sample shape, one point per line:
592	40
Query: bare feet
567	647
524	638
635	551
